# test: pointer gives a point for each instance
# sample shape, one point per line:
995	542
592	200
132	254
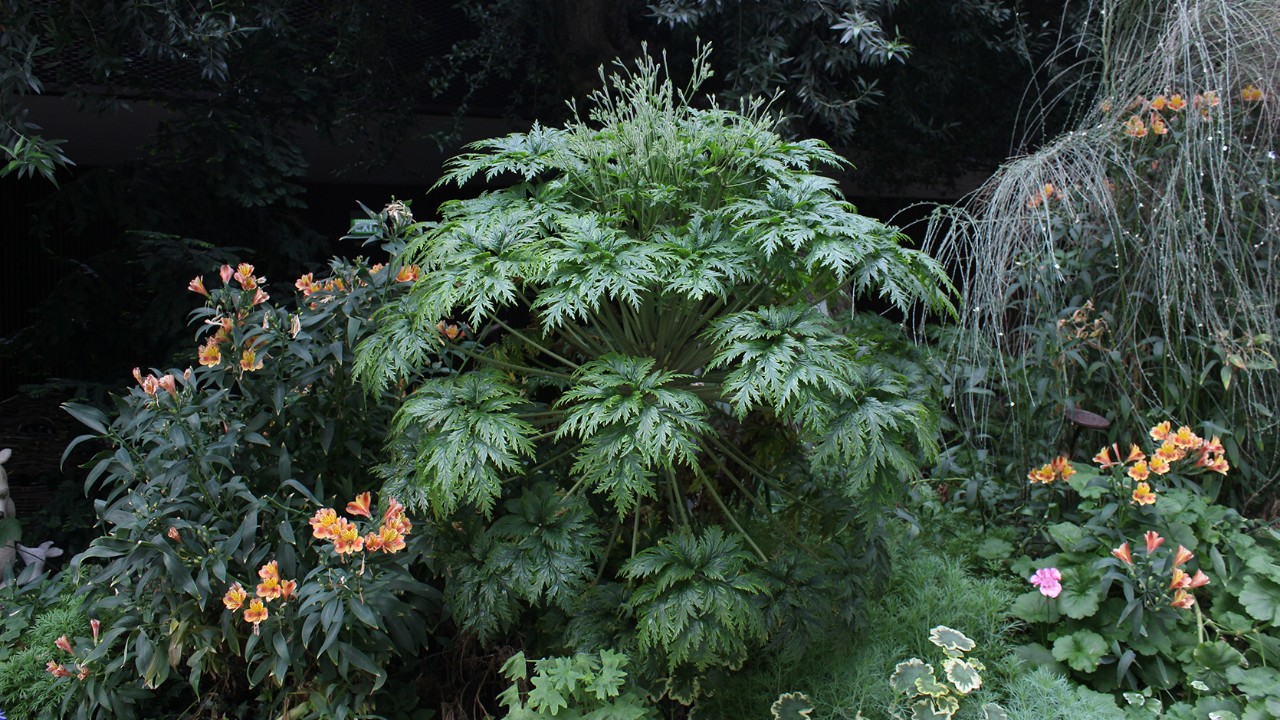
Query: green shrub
643	358
208	486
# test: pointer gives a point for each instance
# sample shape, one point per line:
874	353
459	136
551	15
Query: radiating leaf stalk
728	514
535	345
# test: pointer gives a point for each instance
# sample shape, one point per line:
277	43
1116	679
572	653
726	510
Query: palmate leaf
630	424
524	154
588	261
545	547
695	601
790	213
873	428
781	356
705	257
467	440
478	263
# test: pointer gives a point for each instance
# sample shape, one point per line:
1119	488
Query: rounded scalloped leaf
907	672
953	641
791	706
1082	650
931	687
934	709
963	675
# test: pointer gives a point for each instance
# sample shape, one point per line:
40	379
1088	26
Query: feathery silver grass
1193	241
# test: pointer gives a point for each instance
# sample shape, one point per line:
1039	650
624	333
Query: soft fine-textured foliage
1130	266
636	320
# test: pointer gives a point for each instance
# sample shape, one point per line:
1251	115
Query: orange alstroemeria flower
269	589
1134	127
1135	454
1158	465
197	285
1186	439
244	275
360	506
64	644
1103	458
57	669
1177	103
235	597
1198	580
324	524
307	284
1182	599
1219	465
409	273
288	588
1123	554
1250	93
348	538
249	361
1158	102
1042	474
1062	467
1153	540
1161	431
1142	494
260	296
1157	125
373	542
1170	452
255	613
209	354
1140	471
390	539
1180	579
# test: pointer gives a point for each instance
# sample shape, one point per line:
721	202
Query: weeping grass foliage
1178	232
850	675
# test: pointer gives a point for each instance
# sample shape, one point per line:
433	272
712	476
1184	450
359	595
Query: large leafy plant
640	316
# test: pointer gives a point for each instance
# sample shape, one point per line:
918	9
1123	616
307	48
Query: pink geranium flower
1049	580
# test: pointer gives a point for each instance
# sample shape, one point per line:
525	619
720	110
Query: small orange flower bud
1182	556
57	670
95	625
1153	540
360	506
1123	554
64	644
